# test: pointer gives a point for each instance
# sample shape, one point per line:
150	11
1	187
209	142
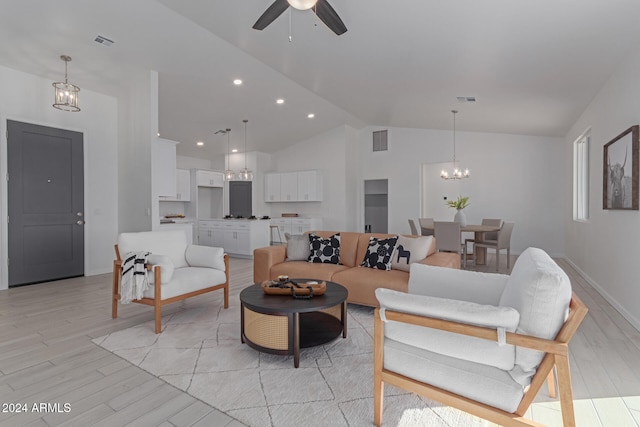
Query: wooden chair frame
557	355
157	302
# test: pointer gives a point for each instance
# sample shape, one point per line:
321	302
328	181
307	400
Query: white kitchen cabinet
163	167
297	225
272	187
289	187
205	178
309	186
183	187
209	233
237	237
303	186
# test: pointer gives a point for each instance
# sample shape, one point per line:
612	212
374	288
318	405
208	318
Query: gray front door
46	203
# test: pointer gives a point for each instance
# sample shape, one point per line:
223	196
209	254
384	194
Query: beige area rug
199	352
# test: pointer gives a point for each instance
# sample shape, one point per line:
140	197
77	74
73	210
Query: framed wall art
620	171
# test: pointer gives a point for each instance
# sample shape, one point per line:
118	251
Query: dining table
478	230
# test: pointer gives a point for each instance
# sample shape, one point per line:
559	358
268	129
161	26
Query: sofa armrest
442	282
264	259
205	256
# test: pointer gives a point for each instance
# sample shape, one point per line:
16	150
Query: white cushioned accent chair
177	270
481	342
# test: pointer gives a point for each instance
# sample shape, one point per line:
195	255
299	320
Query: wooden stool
273	242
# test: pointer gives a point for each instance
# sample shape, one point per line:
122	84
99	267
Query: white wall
27	98
606	247
327	153
137	127
514	177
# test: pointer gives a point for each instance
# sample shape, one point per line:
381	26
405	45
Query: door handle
80	222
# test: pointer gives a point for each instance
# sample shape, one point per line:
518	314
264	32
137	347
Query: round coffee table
280	324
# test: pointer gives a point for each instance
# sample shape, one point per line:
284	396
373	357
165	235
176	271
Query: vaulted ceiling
532	66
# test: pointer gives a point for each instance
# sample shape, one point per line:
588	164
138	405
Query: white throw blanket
134	276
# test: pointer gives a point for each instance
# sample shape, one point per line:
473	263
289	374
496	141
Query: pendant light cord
245	143
228	146
454	136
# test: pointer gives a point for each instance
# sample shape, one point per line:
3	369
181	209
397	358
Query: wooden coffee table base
286	333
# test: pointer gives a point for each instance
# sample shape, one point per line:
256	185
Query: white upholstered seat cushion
483	383
188	279
446	343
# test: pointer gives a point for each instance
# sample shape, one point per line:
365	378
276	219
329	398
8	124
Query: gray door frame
4	206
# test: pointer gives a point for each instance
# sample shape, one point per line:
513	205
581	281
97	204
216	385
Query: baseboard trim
611	300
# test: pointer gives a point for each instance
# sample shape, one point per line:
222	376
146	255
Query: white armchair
179	270
483	343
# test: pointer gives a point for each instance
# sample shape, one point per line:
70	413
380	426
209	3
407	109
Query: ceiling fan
322	9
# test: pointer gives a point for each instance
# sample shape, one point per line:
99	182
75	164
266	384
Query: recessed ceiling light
235	150
237	82
158	133
311	115
199	143
280	101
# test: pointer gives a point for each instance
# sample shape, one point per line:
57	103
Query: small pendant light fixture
229	175
302	4
66	94
457	172
245	174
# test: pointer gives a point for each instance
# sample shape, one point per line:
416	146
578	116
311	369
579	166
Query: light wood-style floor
46	356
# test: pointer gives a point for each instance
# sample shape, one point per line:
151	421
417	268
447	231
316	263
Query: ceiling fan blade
270	15
329	16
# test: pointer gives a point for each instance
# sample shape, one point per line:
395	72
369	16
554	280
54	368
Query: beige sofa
361	282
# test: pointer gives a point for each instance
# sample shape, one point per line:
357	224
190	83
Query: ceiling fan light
302	4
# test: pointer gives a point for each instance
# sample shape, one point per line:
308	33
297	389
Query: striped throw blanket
134	276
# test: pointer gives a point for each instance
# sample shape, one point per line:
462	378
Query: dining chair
503	242
414	229
426	226
447	235
489	235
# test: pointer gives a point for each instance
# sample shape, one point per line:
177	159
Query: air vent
380	140
464	99
103	41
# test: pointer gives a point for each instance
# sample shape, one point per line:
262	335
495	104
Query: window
581	177
380	140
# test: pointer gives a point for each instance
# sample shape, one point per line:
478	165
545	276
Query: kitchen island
238	237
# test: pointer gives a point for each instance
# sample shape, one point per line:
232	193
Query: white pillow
205	256
166	268
409	250
541	291
297	247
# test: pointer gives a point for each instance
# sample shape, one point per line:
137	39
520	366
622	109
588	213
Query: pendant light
228	174
66	94
302	4
245	174
457	172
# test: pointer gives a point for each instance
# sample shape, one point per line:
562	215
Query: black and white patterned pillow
379	253
324	250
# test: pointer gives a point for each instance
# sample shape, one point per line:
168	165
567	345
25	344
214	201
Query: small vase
459	217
